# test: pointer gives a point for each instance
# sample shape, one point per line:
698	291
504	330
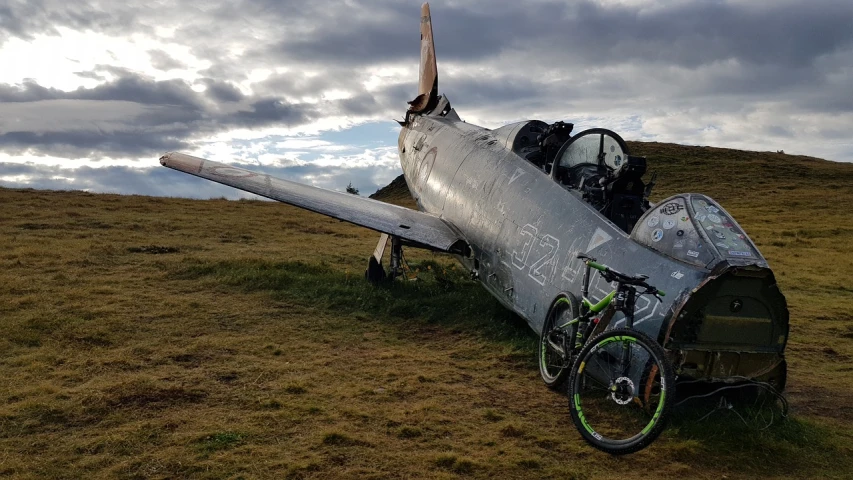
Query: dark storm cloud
388	32
26	18
221	91
164	115
688	52
357	33
29	91
91	76
129	87
134	88
163	61
694	33
689	34
83	143
267	112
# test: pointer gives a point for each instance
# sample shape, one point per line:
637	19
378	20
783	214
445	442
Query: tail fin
428	88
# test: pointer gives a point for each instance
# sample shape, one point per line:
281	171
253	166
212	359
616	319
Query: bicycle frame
625	297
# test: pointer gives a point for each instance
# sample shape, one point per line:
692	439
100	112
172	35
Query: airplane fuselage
524	231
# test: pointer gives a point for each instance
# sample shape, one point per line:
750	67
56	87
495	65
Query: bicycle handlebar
610	274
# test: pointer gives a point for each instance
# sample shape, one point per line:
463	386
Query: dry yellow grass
162	338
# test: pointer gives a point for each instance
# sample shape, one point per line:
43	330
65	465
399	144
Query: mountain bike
620	382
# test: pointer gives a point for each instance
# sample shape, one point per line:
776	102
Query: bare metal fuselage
524	231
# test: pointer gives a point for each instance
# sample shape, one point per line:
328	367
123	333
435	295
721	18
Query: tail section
428	87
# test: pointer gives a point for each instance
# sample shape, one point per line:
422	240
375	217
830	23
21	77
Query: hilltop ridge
683	168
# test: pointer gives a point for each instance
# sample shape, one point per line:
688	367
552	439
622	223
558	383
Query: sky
93	92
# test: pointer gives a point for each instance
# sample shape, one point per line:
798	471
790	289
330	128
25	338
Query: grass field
162	338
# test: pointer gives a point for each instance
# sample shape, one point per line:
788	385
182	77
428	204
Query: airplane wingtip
165	158
182	162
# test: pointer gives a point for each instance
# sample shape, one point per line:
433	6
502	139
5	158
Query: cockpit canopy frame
594	151
696	230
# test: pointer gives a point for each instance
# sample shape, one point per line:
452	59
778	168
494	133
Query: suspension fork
626	298
585	289
584	317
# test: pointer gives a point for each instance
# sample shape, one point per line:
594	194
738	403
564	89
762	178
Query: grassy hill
161	338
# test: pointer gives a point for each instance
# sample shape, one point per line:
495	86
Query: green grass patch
758	441
442	295
219	441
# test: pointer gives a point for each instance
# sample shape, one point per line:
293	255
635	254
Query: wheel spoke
619	406
554	358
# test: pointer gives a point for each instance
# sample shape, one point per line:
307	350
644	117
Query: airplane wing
418	228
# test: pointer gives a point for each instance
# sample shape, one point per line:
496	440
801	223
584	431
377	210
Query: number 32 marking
539	271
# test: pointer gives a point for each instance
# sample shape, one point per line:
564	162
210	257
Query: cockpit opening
597	164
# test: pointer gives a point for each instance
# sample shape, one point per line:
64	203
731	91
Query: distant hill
719	172
395	192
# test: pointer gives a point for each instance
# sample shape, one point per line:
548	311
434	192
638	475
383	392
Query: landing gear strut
375	273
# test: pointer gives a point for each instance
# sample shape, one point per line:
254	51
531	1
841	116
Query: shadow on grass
445	296
755	439
442	295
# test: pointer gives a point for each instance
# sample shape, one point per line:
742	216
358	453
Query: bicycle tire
554	367
632	409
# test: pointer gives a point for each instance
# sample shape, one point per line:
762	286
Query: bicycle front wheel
621	391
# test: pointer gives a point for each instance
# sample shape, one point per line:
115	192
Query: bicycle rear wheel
621	391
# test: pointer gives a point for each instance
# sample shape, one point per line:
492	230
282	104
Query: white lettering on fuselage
637	311
528	233
543	268
518	172
569	273
599	238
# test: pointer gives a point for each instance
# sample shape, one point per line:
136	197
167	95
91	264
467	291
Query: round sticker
714	218
668	224
719	235
657	235
722	245
653	222
680	233
671	208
